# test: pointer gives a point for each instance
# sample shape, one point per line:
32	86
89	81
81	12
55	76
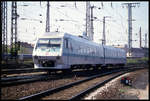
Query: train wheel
67	71
104	68
49	72
96	67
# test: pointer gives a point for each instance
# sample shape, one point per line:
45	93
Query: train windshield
52	45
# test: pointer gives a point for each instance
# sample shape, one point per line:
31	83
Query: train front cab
47	54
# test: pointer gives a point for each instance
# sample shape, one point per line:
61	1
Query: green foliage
138	60
24	50
144	59
21	49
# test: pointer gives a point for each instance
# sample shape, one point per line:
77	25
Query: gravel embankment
115	90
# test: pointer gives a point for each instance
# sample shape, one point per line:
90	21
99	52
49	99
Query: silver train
56	50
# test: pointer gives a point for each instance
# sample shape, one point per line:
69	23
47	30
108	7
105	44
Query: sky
116	26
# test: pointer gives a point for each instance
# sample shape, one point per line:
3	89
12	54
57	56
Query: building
26	48
135	52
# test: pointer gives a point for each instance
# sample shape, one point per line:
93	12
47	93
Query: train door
67	51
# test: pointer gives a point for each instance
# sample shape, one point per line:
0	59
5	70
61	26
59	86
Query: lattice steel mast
88	18
14	50
140	38
92	28
4	29
130	5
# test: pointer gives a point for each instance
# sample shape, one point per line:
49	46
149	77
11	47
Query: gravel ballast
115	90
16	92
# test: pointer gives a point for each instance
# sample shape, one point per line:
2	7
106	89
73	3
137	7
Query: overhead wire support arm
4	29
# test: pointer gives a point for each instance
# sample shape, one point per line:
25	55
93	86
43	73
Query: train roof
67	35
52	35
113	48
63	34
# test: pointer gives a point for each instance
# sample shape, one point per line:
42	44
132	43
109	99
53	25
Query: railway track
65	92
18	71
16	80
6	72
10	81
58	89
21	79
27	78
52	82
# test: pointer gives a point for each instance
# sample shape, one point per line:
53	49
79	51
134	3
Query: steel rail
83	93
13	71
27	79
51	91
13	78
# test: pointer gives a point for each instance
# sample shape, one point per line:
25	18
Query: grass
124	89
138	60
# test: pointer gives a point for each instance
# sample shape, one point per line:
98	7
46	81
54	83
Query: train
64	51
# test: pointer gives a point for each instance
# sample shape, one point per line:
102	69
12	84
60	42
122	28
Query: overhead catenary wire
119	24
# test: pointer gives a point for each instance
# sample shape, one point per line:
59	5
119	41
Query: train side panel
114	56
82	53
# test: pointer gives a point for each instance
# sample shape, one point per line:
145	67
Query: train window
94	51
66	43
51	44
84	50
91	51
79	50
87	50
70	46
97	53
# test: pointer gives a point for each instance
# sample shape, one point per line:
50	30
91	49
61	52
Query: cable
69	17
116	22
